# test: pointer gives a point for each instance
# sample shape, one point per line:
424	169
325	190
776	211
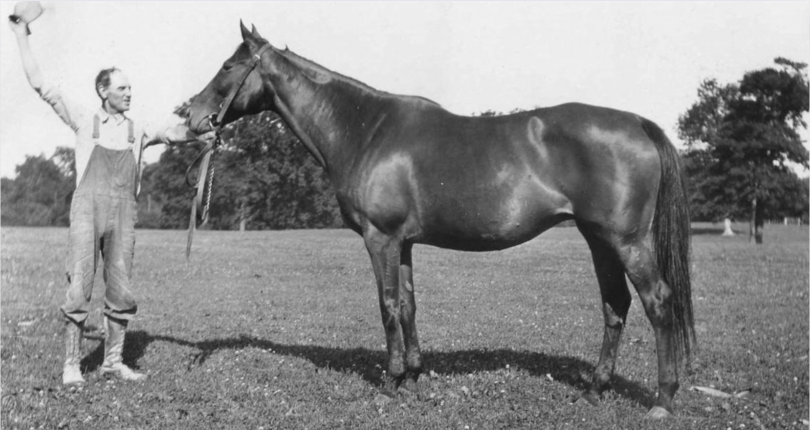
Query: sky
644	57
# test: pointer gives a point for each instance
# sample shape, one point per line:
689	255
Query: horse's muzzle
200	125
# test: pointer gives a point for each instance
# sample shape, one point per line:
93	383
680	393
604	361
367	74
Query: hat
26	11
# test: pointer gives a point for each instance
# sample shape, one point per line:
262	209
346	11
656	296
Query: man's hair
103	78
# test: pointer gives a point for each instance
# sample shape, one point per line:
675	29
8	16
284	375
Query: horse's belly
492	221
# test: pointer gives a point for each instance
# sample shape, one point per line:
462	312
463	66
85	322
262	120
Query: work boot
72	372
113	365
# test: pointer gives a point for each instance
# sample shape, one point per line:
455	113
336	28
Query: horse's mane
321	74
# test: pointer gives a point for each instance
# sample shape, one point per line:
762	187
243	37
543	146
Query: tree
149	203
741	140
41	193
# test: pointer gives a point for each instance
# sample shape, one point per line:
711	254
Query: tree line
741	140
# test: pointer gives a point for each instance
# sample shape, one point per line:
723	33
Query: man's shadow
367	363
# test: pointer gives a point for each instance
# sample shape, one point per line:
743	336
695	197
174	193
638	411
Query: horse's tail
671	231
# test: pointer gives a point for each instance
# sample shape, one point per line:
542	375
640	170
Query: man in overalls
104	210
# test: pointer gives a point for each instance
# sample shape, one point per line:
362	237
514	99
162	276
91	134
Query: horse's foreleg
615	304
385	259
656	296
413	355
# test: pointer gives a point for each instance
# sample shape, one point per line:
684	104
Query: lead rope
210	185
207	158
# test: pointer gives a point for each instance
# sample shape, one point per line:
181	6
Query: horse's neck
326	110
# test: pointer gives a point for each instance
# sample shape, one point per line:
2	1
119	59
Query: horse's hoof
409	384
407	394
383	399
589	398
387	393
389	385
658	413
389	390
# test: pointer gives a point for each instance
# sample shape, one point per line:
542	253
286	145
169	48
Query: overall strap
96	126
131	127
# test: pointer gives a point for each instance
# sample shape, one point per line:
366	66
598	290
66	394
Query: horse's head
238	87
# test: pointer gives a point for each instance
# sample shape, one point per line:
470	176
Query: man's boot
113	348
72	372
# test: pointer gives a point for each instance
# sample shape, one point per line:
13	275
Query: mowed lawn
270	330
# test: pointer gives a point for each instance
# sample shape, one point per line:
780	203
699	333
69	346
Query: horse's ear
255	32
245	33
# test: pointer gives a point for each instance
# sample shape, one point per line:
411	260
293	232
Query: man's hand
19	27
207	137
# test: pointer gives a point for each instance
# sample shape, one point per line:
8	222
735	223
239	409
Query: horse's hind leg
385	253
615	304
656	296
413	355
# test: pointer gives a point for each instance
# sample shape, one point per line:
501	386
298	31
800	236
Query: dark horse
407	171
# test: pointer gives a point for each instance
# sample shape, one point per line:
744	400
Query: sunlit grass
282	330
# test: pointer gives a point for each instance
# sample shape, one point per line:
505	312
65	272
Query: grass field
268	330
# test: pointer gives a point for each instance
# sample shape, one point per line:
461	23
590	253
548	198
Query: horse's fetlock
601	379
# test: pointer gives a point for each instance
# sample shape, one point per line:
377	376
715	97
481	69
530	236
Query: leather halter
205	155
216	123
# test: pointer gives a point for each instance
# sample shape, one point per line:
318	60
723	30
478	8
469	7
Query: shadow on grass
367	363
95	359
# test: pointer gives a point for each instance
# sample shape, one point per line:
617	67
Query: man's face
119	93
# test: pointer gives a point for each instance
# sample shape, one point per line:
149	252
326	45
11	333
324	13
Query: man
103	212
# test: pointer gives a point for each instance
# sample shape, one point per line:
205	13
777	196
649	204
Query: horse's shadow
367	363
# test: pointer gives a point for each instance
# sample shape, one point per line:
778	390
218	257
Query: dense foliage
742	140
41	193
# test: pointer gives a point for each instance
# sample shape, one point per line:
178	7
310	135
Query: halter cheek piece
215	121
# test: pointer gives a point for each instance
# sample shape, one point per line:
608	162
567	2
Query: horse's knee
390	314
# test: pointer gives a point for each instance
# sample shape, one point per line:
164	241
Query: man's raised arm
30	66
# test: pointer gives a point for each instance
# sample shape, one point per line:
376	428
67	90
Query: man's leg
119	301
83	246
